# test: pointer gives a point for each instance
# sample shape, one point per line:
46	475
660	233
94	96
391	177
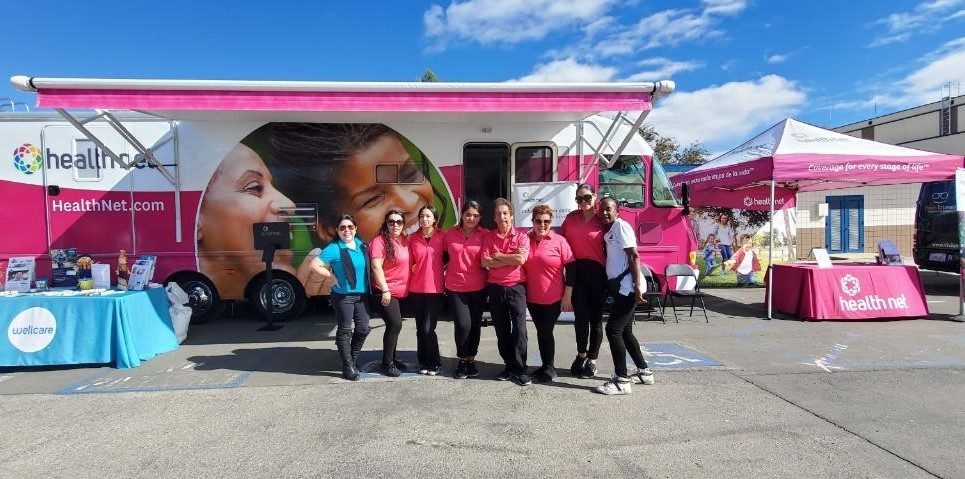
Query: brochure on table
20	274
141	273
822	257
64	262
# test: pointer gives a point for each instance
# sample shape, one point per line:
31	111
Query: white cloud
924	18
721	117
569	70
661	68
946	64
777	58
724	7
508	21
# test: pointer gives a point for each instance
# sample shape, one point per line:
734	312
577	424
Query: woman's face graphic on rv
379	178
239	194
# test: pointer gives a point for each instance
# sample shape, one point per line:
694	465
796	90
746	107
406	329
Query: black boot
349	372
357	341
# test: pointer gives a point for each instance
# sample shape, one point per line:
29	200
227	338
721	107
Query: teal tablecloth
121	329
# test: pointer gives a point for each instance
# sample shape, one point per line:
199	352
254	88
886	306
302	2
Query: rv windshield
662	192
624	181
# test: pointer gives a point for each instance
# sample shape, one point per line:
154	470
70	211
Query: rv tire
205	302
288	294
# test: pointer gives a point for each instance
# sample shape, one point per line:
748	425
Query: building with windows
849	222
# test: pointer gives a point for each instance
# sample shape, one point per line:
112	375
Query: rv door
88	197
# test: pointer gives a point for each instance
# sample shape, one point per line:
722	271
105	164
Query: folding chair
673	272
652	293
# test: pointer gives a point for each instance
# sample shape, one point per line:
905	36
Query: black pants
349	309
392	316
619	333
426	307
589	293
467	310
544	318
507	304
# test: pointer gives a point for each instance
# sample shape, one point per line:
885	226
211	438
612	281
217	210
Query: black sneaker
434	370
391	370
471	369
400	365
577	368
544	374
462	371
589	370
521	379
505	375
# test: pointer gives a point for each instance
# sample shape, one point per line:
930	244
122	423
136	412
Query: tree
428	76
668	150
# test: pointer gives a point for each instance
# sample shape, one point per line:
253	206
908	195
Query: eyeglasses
392	222
537	221
584	198
348	227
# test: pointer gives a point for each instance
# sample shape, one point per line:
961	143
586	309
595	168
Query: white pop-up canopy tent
793	156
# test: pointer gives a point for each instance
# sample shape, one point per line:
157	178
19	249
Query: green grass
729	280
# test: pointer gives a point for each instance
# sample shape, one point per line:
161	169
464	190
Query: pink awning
421	101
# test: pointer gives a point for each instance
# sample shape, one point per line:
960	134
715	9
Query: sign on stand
560	195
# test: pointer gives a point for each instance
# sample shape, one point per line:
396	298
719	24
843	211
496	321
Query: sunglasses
346	227
392	222
584	198
542	222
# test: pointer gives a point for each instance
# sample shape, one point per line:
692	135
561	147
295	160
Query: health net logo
870	302
28	159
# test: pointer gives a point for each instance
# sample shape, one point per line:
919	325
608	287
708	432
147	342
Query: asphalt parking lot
739	396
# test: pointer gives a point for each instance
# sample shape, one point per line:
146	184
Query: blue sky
740	65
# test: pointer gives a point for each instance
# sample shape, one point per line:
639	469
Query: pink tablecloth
848	291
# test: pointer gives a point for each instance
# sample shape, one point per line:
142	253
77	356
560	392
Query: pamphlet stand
270	237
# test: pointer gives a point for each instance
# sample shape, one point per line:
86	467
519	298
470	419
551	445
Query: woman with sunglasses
426	288
504	252
345	258
466	285
583	230
389	253
549	284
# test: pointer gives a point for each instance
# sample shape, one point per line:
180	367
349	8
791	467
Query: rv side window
85	160
533	163
661	191
406	173
625	181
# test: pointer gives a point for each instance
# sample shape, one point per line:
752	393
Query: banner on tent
754	198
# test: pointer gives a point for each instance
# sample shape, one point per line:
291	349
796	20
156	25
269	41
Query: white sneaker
614	387
643	376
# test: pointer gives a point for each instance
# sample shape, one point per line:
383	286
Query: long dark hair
342	217
435	214
384	232
471	204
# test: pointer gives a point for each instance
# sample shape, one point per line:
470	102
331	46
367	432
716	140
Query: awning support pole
770	258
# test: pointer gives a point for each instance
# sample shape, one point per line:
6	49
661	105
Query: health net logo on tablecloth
869	302
32	330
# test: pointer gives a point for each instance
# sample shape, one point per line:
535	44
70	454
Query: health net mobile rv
186	181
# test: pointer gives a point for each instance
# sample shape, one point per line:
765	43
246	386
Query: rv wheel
203	297
287	295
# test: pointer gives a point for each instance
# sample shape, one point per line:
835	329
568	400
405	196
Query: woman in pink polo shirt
389	253
466	284
583	230
548	287
426	288
504	252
